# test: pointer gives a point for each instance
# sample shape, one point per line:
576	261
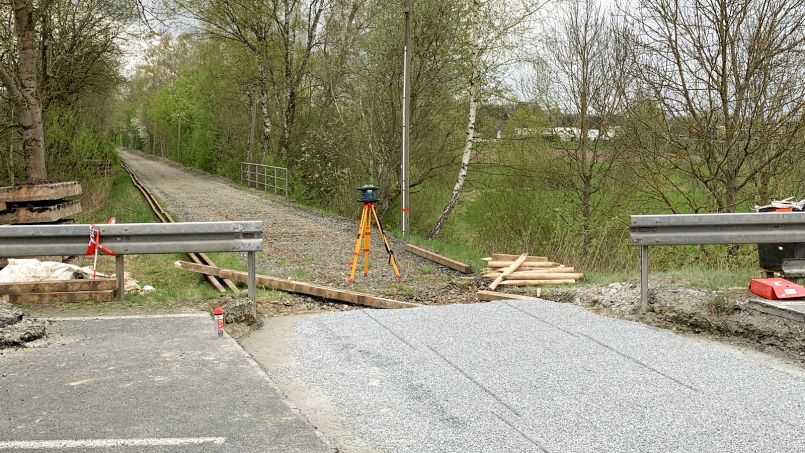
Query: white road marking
108	443
93	318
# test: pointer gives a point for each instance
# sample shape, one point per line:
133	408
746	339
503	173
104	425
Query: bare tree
589	66
722	97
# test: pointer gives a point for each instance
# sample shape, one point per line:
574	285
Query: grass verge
173	286
694	277
458	252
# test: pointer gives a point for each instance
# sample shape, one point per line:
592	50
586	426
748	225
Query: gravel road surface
298	243
527	376
144	384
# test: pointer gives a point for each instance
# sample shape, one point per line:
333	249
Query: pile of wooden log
525	270
39	203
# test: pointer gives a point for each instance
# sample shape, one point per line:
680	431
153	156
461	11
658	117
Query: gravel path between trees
298	243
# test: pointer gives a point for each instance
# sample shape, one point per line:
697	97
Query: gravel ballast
298	243
542	376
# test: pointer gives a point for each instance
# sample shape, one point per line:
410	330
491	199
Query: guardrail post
252	279
644	278
121	278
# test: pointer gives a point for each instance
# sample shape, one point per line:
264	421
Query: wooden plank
41	214
229	284
74	296
502	264
513	267
292	286
505	257
439	259
58	286
543	276
37	192
2	205
494	295
538	282
530	272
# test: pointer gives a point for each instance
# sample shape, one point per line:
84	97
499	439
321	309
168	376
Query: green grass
123	201
458	252
127	205
694	277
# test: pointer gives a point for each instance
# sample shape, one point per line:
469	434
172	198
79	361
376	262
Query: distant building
572	134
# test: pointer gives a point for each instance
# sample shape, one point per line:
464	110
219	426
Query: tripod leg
392	261
364	218
367	235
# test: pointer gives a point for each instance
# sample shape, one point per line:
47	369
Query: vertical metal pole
121	279
286	185
644	278
406	119
275	183
251	258
179	139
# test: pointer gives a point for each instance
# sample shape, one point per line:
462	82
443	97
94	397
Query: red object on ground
776	288
218	315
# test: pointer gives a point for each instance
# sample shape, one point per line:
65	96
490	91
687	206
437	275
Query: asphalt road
145	384
528	376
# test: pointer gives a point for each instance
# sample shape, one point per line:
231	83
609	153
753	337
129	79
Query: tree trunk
730	194
261	75
252	126
10	162
24	90
290	92
288	120
586	210
473	95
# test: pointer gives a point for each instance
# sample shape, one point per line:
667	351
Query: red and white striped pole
218	315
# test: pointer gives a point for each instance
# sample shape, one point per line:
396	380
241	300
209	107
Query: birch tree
491	24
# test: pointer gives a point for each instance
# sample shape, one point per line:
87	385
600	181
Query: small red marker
218	315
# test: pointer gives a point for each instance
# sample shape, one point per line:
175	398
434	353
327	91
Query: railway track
220	284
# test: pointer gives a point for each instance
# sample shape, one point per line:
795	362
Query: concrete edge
763	306
262	372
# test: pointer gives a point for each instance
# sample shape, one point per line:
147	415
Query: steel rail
163	216
700	229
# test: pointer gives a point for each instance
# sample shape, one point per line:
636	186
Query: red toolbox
776	288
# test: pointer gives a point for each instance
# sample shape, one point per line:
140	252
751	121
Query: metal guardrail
701	229
137	239
264	177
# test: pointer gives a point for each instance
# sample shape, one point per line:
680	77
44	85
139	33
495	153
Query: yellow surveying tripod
369	198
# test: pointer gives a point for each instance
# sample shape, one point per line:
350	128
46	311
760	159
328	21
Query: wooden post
252	280
121	279
644	278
